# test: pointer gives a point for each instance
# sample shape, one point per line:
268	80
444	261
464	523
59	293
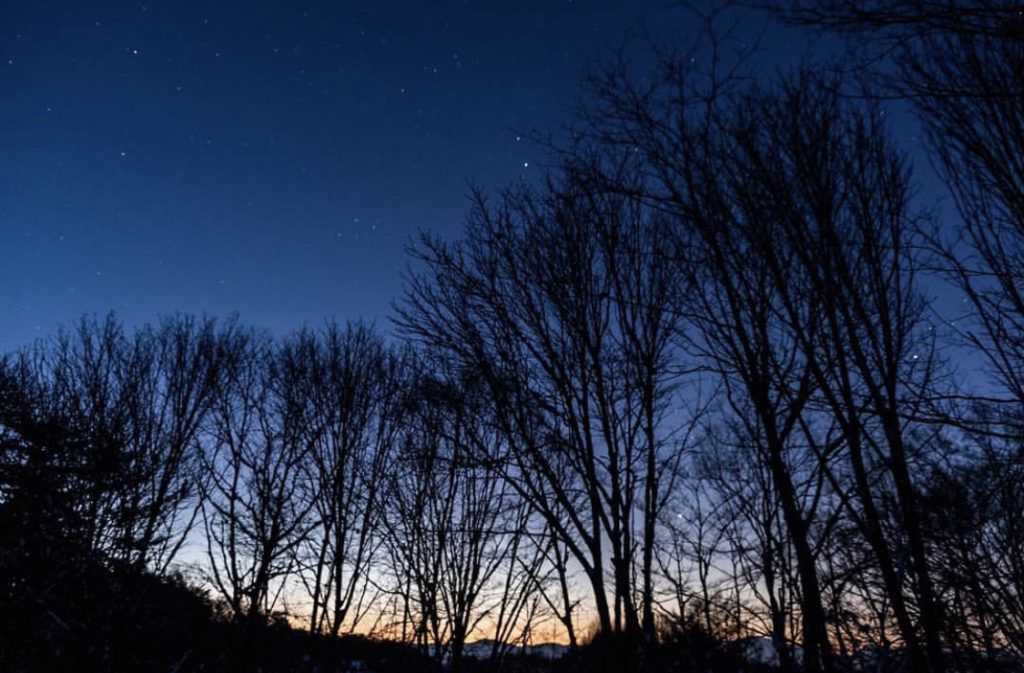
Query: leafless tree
829	174
970	101
136	403
974	525
553	582
177	367
349	388
257	496
87	373
959	65
562	300
806	295
451	524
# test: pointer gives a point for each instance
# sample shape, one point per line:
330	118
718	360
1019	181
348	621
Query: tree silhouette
348	390
256	495
557	299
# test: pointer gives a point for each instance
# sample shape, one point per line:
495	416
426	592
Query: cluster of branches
327	478
692	380
717	306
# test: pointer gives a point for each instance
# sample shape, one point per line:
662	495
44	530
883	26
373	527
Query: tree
349	390
135	404
98	477
561	300
970	102
177	368
971	105
974	526
451	523
256	495
681	128
826	171
43	546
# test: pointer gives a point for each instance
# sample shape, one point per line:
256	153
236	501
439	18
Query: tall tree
257	496
348	389
560	298
177	368
970	101
826	171
136	402
678	126
451	522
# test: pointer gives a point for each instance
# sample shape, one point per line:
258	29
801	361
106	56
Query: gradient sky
269	158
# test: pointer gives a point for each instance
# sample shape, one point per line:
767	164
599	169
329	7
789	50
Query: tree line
697	380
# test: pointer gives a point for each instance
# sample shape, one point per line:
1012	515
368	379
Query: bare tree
451	523
177	367
828	172
795	210
257	496
515	606
553	581
970	102
974	525
136	402
44	539
349	389
87	373
562	300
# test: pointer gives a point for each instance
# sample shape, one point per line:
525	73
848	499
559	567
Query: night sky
266	158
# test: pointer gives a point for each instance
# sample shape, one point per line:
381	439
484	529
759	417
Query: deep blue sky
269	158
